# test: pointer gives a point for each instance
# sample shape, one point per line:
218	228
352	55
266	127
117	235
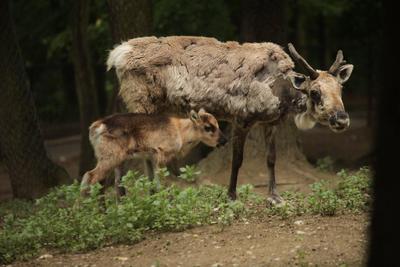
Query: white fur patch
304	121
118	56
95	133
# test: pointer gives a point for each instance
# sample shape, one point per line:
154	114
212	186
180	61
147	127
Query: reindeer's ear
194	116
344	73
299	81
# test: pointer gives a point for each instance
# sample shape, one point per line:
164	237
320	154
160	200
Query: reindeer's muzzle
339	121
222	140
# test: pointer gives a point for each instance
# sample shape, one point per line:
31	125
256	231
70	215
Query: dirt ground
304	241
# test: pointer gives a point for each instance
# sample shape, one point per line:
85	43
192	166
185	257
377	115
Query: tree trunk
264	21
31	172
130	18
84	80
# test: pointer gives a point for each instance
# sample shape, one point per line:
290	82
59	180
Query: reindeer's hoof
275	200
232	195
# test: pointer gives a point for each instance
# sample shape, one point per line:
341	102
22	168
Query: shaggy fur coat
231	80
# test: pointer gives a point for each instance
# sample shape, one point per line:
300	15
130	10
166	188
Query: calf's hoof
275	200
85	191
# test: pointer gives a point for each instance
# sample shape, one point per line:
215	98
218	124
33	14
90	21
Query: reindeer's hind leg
238	140
269	134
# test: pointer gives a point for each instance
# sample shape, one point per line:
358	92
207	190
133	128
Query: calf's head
207	128
324	91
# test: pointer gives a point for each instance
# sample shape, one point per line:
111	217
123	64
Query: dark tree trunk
31	172
128	19
263	21
84	80
101	88
69	85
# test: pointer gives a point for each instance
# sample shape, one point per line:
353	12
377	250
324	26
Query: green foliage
294	205
323	200
189	173
63	220
325	164
19	208
351	195
355	189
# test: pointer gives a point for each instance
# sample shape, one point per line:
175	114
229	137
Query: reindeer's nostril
341	115
332	120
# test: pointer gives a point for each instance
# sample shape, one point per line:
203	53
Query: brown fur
241	83
160	138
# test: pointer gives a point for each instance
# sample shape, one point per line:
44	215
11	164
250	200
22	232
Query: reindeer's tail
119	56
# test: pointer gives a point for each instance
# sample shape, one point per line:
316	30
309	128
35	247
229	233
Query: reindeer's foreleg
238	140
269	134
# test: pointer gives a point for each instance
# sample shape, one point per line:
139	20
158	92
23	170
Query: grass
64	221
352	194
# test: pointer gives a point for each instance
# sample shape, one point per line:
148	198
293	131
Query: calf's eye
208	128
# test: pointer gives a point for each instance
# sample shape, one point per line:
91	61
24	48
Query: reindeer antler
338	63
301	61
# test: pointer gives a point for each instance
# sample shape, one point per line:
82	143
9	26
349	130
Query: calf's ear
194	116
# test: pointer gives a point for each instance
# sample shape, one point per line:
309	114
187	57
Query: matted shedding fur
178	72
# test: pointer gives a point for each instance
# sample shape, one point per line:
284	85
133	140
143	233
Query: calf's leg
98	174
119	189
239	135
150	168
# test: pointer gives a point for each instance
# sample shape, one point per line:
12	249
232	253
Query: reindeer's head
207	127
324	91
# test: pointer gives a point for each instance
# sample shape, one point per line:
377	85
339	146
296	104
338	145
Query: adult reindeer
244	84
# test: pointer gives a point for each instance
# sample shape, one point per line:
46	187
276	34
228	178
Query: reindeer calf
160	138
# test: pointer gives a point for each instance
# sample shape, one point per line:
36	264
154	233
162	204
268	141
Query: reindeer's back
179	73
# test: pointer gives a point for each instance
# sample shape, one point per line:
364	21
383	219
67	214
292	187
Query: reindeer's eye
315	95
209	128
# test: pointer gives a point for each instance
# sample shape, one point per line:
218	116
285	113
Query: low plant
65	221
352	194
189	173
354	189
323	200
325	164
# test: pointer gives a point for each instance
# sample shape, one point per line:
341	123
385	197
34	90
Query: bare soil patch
268	241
